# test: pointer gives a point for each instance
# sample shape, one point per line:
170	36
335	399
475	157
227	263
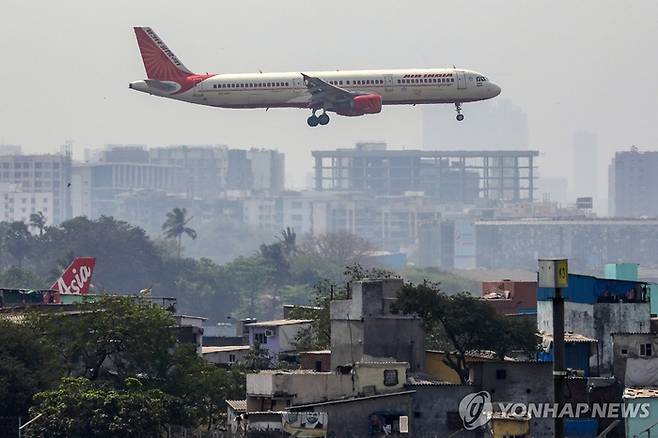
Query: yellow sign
562	270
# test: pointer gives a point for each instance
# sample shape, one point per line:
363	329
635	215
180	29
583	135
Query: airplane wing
326	95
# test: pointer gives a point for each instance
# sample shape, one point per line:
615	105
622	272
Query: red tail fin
77	277
160	63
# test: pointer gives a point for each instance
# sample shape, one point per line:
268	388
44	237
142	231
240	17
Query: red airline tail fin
160	63
77	277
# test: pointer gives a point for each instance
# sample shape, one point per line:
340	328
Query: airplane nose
495	89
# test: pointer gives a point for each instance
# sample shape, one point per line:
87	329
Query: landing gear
458	108
313	121
322	119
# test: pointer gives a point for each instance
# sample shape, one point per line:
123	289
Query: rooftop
278	322
569	337
349	400
205	350
237	405
651	392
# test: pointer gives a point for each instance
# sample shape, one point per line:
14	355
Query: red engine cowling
364	104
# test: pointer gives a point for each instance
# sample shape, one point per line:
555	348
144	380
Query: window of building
390	377
501	374
231	358
624	351
645	350
318	365
260	338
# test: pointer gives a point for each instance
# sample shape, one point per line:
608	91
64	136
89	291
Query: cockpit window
481	79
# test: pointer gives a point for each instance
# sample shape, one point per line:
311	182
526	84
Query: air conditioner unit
269	333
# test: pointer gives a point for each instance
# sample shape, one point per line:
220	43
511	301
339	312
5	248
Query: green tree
38	221
176	226
79	408
18	278
462	323
203	388
258	358
113	338
17	241
27	366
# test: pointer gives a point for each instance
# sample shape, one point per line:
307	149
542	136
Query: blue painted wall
576	356
587	289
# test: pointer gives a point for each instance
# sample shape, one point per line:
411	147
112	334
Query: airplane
76	279
346	93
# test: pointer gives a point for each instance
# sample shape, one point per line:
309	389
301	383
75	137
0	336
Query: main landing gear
458	108
314	120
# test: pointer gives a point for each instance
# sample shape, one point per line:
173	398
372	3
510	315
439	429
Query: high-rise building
259	170
632	183
10	149
48	173
460	177
18	205
204	167
585	165
496	124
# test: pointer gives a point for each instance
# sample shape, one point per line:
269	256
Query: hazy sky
585	65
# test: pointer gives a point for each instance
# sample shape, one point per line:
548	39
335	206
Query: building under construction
450	176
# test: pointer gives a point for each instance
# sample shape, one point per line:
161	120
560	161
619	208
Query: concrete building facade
461	177
365	327
596	308
633	177
48	173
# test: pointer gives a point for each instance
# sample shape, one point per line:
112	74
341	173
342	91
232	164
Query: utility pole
555	274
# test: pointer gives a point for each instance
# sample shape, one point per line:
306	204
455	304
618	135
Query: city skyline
563	85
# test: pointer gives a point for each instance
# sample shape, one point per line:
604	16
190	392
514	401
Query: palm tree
38	221
176	225
289	240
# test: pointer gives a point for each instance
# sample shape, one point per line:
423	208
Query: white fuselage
280	90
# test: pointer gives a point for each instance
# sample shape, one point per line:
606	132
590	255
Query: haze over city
569	65
335	219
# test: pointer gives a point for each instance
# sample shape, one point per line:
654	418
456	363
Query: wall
364	327
598	321
308	360
636	427
222	357
523	296
578	317
618	318
299	387
631	343
351	419
525	382
431	406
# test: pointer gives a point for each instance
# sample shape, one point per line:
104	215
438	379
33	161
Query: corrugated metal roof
237	405
649	392
278	322
349	400
205	350
570	337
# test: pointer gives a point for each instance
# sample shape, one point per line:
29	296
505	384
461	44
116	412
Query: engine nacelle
364	104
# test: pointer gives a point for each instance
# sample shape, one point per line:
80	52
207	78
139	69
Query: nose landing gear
458	108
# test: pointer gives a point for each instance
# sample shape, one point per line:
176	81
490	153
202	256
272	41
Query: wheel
323	119
312	121
460	117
